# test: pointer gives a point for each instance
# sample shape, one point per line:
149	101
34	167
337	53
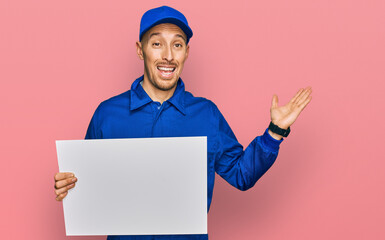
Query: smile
166	72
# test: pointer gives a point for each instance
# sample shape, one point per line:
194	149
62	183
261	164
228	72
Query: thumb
274	102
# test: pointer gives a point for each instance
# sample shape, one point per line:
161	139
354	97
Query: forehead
165	27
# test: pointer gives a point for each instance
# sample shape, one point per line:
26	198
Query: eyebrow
158	33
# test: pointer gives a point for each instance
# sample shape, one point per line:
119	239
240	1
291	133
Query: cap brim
186	29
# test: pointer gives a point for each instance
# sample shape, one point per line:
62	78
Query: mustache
167	63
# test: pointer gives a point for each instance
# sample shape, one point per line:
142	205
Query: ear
187	50
139	50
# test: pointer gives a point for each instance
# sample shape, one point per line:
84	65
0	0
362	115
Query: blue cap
164	14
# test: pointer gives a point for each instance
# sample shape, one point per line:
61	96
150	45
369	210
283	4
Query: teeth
166	69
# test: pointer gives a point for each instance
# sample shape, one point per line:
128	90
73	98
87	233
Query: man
158	106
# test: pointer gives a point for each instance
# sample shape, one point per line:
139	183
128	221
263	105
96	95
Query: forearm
242	169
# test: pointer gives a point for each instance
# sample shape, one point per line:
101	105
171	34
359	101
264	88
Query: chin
166	85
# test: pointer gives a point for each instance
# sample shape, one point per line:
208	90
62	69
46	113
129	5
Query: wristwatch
275	129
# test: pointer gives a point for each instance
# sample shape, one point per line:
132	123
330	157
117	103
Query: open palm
284	116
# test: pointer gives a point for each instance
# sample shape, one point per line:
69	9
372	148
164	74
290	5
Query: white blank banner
141	186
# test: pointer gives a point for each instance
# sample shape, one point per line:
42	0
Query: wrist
280	125
275	135
276	129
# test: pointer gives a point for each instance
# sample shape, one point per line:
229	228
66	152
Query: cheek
181	63
181	58
150	63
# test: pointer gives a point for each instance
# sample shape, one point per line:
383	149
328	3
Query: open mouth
166	72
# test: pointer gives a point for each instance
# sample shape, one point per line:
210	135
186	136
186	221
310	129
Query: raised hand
284	116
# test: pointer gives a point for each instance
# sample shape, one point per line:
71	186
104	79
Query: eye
156	44
178	45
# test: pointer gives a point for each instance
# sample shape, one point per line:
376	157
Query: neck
156	94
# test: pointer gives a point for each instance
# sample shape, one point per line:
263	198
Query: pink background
60	59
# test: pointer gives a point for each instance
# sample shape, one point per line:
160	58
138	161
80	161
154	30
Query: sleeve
242	169
93	131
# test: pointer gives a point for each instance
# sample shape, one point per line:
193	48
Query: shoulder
191	99
122	99
201	103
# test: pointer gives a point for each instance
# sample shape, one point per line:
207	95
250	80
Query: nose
168	54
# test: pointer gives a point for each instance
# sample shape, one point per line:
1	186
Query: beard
164	87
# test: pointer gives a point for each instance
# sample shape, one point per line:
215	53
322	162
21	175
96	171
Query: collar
139	97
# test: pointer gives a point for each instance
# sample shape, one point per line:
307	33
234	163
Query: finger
63	183
304	96
61	196
64	189
304	104
296	95
274	102
306	90
63	175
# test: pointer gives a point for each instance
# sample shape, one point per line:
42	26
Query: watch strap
275	129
